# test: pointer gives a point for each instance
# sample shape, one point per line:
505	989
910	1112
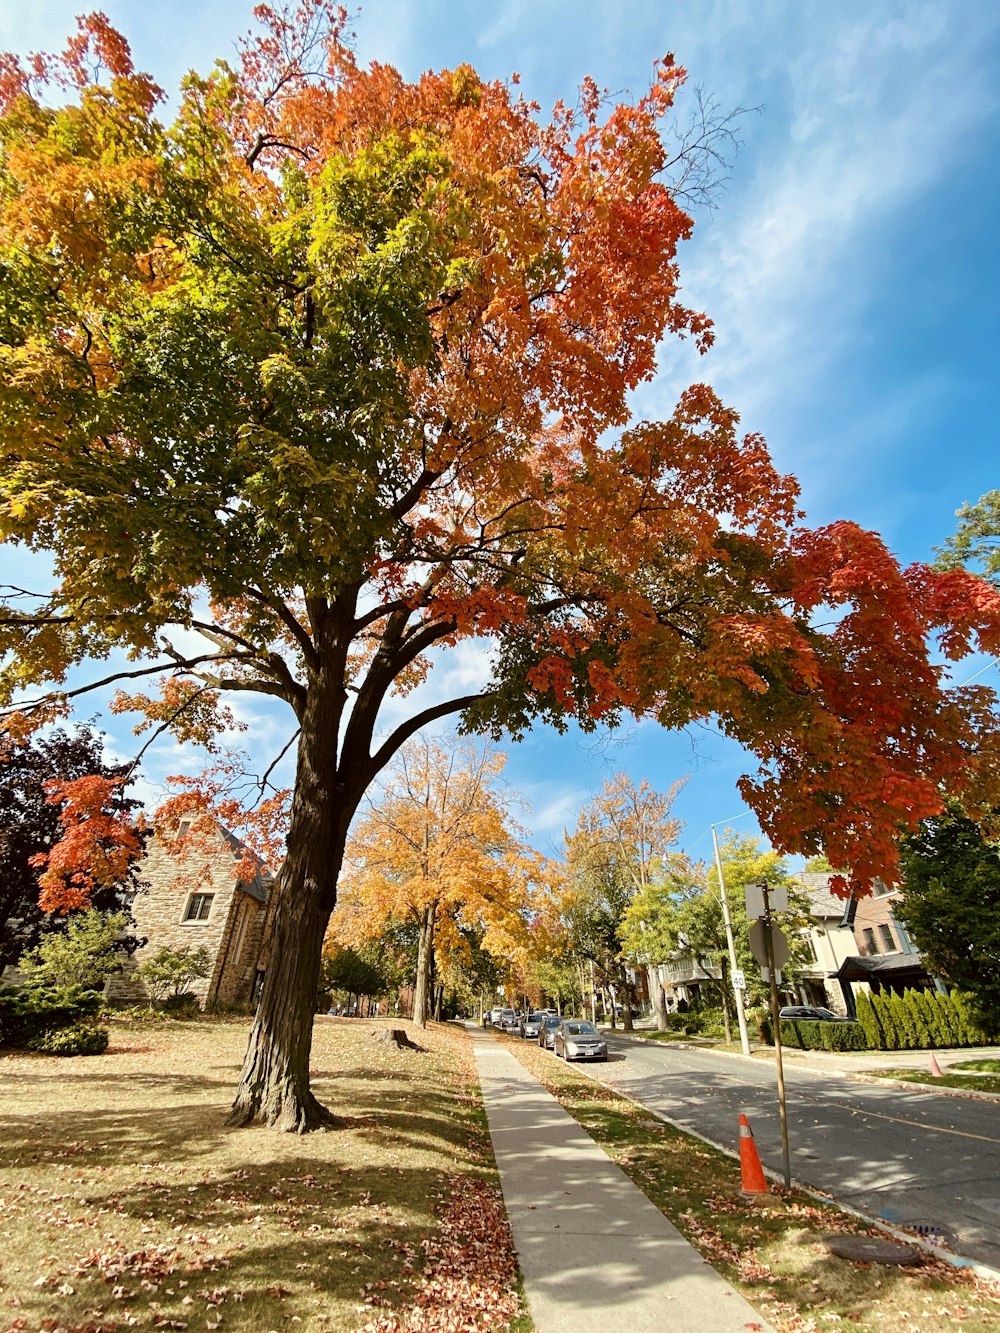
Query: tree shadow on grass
184	1116
251	1237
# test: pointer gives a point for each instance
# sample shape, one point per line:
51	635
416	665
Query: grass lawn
771	1247
969	1082
125	1203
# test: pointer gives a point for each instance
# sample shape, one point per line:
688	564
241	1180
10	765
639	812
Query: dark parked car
508	1020
815	1013
547	1030
530	1024
578	1039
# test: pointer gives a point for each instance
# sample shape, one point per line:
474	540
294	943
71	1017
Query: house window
905	943
870	945
887	940
241	934
184	828
199	906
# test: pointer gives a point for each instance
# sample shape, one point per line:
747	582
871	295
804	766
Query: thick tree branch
412	725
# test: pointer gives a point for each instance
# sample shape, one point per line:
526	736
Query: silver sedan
577	1039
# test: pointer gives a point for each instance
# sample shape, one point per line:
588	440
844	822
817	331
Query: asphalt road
919	1159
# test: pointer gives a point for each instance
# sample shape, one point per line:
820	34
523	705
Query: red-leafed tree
333	372
68	836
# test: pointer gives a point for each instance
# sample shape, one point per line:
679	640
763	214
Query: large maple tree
332	372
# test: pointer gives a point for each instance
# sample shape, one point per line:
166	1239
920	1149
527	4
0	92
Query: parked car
530	1024
508	1020
547	1031
816	1013
493	1016
578	1039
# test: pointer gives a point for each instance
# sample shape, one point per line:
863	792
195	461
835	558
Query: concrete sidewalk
595	1254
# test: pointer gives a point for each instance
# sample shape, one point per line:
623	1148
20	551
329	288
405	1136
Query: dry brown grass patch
126	1203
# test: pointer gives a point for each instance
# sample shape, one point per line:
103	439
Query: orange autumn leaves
339	375
97	846
439	848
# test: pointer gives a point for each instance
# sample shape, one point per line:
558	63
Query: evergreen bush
975	1034
77	1039
936	1019
887	1022
30	1011
904	1022
868	1020
791	1034
842	1036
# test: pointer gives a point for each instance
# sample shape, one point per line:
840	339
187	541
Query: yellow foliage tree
440	849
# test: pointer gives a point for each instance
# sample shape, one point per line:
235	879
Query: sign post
770	947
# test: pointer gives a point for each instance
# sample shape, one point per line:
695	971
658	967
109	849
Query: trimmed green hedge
810	1034
915	1020
78	1039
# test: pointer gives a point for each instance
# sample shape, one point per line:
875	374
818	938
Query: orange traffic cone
750	1167
935	1067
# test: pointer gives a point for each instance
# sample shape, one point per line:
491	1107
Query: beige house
194	898
830	941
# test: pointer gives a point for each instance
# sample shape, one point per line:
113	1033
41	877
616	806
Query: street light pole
740	1015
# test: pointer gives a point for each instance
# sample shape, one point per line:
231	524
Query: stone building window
199	906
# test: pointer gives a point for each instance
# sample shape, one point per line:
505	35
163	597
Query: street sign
777	898
758	944
739	981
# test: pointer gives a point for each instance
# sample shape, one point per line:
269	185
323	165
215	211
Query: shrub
973	1032
901	1018
892	1039
77	1039
181	1006
30	1011
170	971
843	1036
868	1019
947	1019
85	954
937	1021
918	1019
810	1034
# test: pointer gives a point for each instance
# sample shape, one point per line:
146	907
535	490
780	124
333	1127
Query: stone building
194	897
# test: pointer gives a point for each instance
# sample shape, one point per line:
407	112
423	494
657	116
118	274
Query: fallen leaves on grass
469	1284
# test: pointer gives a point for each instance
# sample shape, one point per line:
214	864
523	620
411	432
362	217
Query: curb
801	1058
917	1242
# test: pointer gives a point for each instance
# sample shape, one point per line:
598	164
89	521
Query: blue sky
851	268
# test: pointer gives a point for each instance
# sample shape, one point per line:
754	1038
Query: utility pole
734	966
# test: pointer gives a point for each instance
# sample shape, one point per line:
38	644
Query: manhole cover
871	1250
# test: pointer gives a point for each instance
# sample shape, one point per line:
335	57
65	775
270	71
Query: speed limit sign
739	981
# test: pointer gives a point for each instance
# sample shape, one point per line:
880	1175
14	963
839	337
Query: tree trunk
274	1082
425	954
659	1000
